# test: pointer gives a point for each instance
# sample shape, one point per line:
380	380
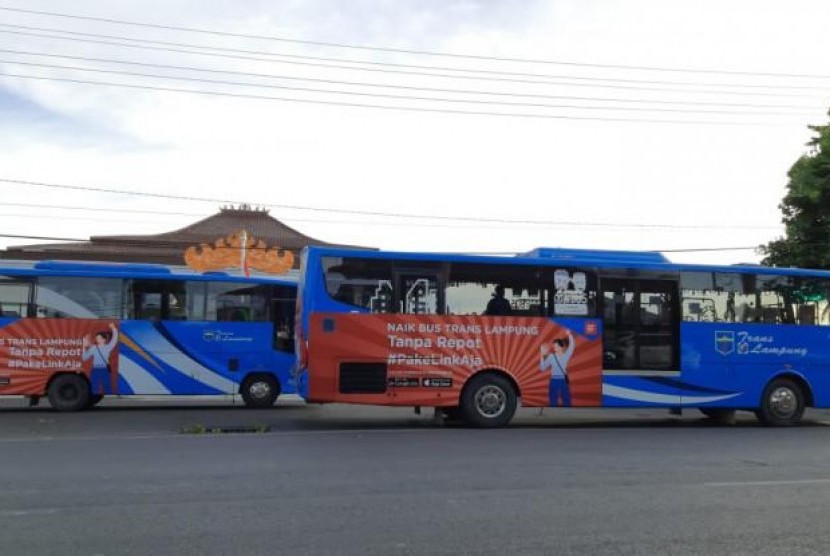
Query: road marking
23	513
87	438
285	432
792	482
271	433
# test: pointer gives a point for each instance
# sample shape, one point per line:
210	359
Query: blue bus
474	336
75	332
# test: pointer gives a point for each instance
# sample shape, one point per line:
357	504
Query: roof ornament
244	207
239	250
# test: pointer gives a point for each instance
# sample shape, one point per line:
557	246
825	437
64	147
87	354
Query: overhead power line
79	218
476	219
480	92
399	107
691	250
596	82
73	239
103	209
135	241
702	249
141	243
477	71
406	108
350	93
364	222
412	51
45	238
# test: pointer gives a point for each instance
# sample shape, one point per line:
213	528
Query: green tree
806	210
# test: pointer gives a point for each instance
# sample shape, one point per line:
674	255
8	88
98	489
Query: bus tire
95	399
782	403
259	391
69	392
488	401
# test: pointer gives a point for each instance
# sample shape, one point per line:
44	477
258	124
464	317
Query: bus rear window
363	283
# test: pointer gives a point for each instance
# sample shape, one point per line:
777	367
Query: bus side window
772	294
233	314
157	300
808	301
495	290
148	306
236	302
718	297
14	299
79	297
363	283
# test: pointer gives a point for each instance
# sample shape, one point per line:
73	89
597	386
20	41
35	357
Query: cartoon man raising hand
99	351
554	359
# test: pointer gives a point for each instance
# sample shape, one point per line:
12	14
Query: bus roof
598	256
134	270
550	256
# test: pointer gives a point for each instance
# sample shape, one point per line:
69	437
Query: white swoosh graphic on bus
140	380
655	398
157	345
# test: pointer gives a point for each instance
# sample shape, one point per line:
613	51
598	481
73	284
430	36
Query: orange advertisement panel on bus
427	359
33	350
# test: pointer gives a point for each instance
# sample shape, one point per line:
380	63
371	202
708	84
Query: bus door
640	324
283	308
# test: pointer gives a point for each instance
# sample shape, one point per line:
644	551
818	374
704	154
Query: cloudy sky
589	123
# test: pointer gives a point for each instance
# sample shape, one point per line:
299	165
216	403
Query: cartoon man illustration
556	361
99	351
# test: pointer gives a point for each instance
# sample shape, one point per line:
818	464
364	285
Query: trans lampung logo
725	342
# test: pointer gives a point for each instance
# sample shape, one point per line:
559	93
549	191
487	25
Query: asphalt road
128	478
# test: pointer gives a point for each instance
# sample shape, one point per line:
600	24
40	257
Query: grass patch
199	428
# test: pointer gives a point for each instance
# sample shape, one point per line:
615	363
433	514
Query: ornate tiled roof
168	247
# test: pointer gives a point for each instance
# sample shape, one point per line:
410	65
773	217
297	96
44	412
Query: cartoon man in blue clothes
555	359
99	351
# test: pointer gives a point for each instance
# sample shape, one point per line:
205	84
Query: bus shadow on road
290	416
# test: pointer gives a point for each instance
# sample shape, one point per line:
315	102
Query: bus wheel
69	392
95	399
782	404
488	400
259	391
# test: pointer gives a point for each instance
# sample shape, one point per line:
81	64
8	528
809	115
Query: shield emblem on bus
724	342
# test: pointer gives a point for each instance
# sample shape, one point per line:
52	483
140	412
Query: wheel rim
491	401
783	402
260	390
69	392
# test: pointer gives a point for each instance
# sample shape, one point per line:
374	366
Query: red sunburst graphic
456	347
